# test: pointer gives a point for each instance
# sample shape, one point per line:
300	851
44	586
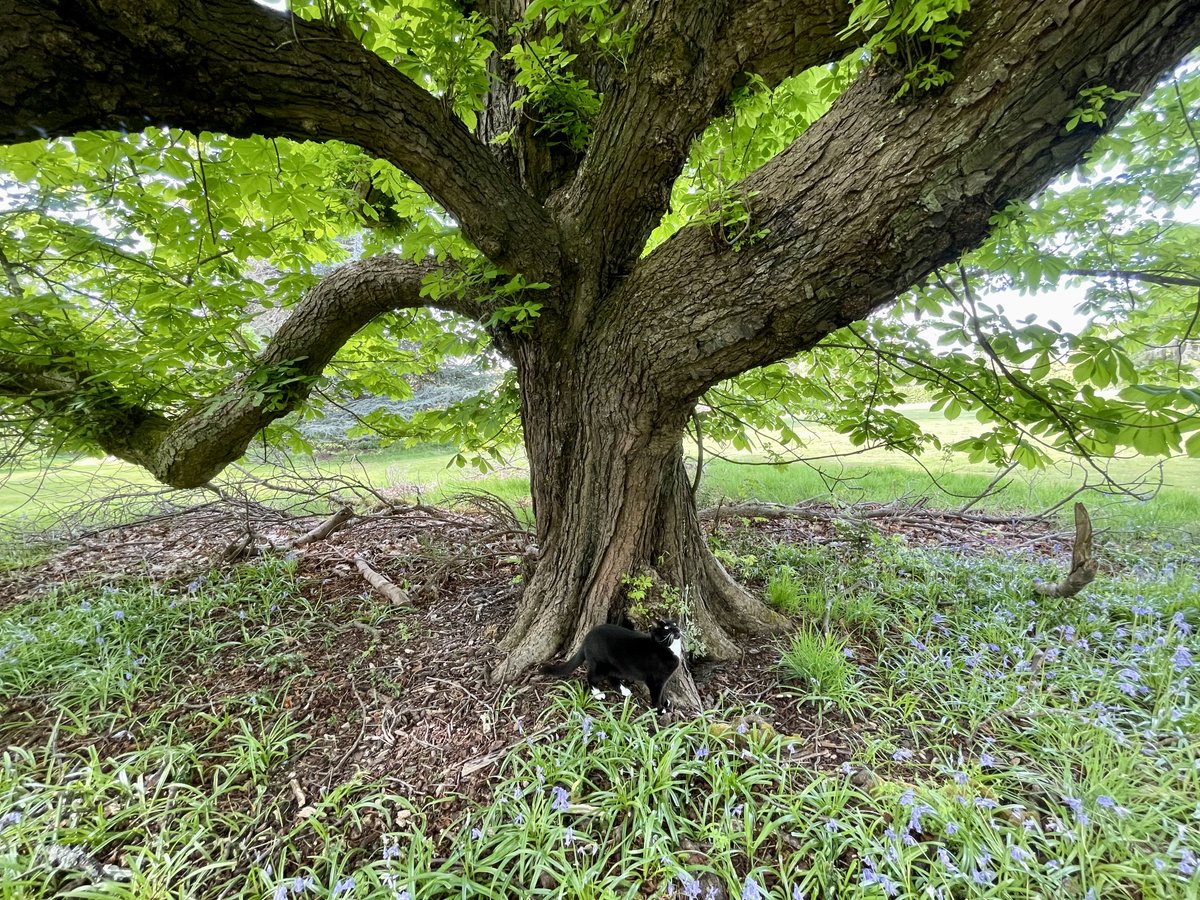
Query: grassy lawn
36	496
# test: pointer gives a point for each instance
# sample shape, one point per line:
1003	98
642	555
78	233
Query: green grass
36	496
1001	748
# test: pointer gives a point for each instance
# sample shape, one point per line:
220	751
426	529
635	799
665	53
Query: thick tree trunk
612	499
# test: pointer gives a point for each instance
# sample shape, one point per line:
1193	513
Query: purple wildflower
585	726
9	818
1019	854
832	825
986	760
391	852
343	886
701	752
797	894
1187	863
902	754
1182	658
476	834
914	816
751	890
1076	806
951	828
560	799
870	876
118	614
691	886
280	892
568	836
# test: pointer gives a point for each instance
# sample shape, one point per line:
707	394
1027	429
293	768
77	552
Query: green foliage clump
920	35
817	662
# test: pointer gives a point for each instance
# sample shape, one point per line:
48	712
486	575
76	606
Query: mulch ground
406	702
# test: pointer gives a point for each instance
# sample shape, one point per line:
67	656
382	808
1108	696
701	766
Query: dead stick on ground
326	528
380	583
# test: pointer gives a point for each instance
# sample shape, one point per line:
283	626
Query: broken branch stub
1083	563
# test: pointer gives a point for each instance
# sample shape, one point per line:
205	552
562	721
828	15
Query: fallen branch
1083	563
326	528
380	583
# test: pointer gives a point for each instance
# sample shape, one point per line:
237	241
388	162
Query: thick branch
188	450
681	71
236	67
877	194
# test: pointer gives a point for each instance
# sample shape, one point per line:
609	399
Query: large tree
520	156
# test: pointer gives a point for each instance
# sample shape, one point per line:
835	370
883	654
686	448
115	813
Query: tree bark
612	499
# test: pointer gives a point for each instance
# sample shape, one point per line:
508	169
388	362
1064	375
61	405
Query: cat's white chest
677	648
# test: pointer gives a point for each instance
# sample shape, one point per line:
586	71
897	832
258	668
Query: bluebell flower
1187	864
907	798
568	836
951	828
281	892
585	725
560	799
902	754
1019	854
476	834
1076	806
300	884
691	886
870	876
701	752
751	890
983	875
832	825
986	760
391	852
797	894
343	886
914	816
118	614
1182	658
9	818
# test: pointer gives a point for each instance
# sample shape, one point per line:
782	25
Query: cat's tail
563	668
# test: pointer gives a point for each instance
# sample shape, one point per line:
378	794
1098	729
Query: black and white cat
619	655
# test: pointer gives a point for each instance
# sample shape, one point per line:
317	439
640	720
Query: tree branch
877	194
188	450
681	71
1133	275
236	67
